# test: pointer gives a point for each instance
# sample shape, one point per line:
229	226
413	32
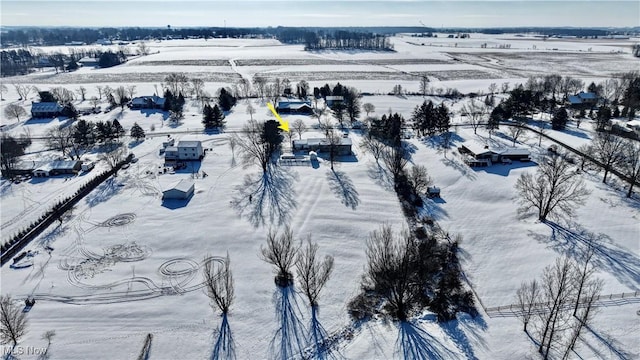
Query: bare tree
260	83
48	336
586	313
630	163
333	140
23	91
281	253
143	49
395	160
251	110
13	322
504	87
424	85
114	157
528	296
299	127
326	126
177	83
374	147
120	96
493	88
313	274
608	149
516	131
419	179
63	95
82	91
60	138
94	102
368	108
197	85
14	111
253	149
555	189
556	294
3	90
475	112
100	88
584	270
131	91
218	282
244	88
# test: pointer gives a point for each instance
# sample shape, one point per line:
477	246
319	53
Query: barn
181	190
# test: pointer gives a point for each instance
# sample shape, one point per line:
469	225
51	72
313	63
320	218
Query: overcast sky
242	13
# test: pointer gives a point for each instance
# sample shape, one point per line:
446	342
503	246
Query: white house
185	150
181	190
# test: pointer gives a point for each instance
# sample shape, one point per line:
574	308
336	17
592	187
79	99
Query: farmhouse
478	155
181	190
185	150
322	145
147	102
583	100
88	61
45	109
295	107
57	167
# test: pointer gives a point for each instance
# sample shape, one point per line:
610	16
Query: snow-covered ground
125	264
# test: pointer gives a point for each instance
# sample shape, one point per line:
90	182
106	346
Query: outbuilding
181	190
45	110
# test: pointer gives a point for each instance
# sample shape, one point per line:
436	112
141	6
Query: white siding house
185	150
181	190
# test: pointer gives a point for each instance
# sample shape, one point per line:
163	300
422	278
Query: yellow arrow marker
284	125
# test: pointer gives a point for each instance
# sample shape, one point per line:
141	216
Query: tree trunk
606	172
630	189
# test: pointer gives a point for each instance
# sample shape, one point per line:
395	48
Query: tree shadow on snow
289	340
415	343
267	197
103	192
224	347
460	166
614	347
623	264
342	186
432	208
464	331
381	176
322	345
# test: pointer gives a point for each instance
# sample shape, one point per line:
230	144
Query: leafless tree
281	253
13	322
368	108
22	90
326	126
334	140
14	111
516	131
374	147
555	189
475	112
63	95
120	96
493	88
131	91
585	314
253	149
260	83
114	157
244	88
395	160
424	85
313	274
94	102
218	282
107	90
556	294
419	179
528	296
3	90
251	110
541	132
630	163
143	49
608	149
61	139
177	83
504	87
584	269
100	88
48	336
197	85
299	127
318	112
82	91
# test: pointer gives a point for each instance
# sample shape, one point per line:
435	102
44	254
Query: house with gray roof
45	109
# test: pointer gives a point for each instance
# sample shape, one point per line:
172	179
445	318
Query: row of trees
343	40
22	61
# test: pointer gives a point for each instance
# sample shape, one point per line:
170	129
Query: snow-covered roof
143	100
171	149
320	141
183	185
293	105
587	95
45	107
334	98
58	165
476	148
573	99
188	144
515	152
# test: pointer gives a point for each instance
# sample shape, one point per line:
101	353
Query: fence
600	301
18	242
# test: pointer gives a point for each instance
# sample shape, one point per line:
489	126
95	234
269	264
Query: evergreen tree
226	100
70	111
118	130
46	96
207	117
616	112
137	132
217	117
603	119
352	104
83	133
168	100
443	118
271	136
560	118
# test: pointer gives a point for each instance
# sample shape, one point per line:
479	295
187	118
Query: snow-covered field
125	264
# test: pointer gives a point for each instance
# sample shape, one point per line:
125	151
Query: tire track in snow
315	187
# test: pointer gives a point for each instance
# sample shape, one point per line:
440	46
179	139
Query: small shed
181	190
433	192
